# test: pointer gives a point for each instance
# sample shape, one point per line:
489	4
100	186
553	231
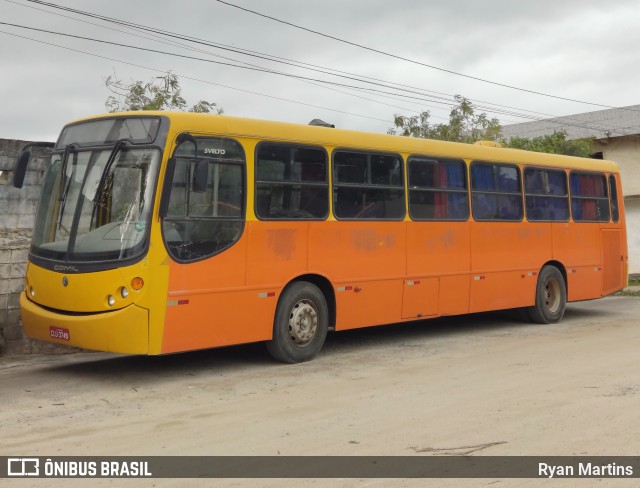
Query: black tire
551	297
300	325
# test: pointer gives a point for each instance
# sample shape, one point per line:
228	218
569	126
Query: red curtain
440	201
590	186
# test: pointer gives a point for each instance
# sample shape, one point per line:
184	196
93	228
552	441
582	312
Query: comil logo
23	467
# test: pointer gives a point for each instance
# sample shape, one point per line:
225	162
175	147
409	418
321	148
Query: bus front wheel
551	297
300	325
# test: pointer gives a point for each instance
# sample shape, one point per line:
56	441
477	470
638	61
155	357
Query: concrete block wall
17	214
14	248
13	263
18	206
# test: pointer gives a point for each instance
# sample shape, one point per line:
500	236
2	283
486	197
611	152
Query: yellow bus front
93	272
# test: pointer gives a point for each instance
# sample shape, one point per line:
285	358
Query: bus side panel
218	319
368	303
221	271
277	252
359	250
439	249
505	260
209	306
577	246
454	295
420	297
366	263
502	290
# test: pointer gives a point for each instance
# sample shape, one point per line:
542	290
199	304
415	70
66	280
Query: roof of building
602	124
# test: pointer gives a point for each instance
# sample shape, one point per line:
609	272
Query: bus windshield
96	203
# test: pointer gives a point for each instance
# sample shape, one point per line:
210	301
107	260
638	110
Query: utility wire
157	38
259	69
271	58
162	40
243	52
413	61
298	64
194	58
158	70
322	70
447	101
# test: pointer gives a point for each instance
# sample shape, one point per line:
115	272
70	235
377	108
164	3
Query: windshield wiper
118	147
62	193
64	186
112	157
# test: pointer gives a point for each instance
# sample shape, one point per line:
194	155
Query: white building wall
632	212
626	152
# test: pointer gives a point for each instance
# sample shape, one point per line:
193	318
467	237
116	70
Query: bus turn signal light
137	283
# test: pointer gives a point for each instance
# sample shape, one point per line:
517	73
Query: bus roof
326	136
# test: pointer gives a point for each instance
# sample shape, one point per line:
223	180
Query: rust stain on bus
282	242
368	240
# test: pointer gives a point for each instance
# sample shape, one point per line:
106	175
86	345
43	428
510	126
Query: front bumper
123	331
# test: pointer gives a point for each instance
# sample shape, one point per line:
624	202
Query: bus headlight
111	301
124	292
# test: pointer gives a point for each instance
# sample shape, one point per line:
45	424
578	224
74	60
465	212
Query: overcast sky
585	50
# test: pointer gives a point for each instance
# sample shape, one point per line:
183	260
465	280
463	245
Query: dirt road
481	384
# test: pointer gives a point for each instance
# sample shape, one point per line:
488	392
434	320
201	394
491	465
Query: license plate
59	333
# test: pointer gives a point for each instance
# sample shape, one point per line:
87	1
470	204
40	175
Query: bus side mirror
20	170
167	187
200	176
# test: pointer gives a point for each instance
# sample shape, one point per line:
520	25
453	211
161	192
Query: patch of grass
629	293
634	279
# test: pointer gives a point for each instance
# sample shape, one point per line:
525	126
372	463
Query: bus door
612	261
613	254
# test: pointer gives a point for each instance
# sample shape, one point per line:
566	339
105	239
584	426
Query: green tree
555	143
161	93
467	126
464	125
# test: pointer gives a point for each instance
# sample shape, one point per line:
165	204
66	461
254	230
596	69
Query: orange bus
162	232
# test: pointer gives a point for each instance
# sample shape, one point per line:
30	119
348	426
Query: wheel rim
552	295
303	323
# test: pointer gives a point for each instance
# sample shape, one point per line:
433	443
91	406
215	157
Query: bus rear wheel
300	325
551	297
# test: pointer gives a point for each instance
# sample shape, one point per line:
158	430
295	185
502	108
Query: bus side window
546	195
589	197
496	192
203	221
437	189
613	192
368	186
291	182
